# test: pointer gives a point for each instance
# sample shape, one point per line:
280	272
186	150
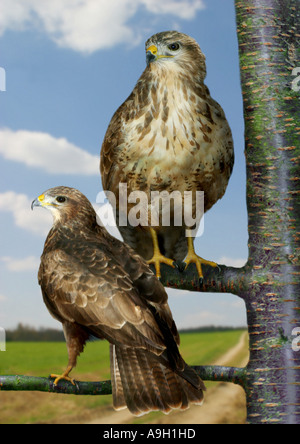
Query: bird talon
64	376
160	259
193	258
181	266
199	261
61	378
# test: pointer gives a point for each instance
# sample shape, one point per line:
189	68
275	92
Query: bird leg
158	258
76	338
193	258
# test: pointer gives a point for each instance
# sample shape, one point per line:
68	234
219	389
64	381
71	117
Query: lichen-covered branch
40	384
34	383
235	375
221	279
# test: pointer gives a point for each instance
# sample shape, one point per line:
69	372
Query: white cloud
230	262
88	25
43	151
19	205
30	263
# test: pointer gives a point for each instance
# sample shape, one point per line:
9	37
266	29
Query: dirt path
224	403
233	352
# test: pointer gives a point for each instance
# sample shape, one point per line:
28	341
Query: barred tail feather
117	389
143	384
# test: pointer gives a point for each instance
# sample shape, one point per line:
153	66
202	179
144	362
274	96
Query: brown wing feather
102	299
113	140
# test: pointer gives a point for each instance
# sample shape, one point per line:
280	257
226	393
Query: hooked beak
151	54
38	202
35	203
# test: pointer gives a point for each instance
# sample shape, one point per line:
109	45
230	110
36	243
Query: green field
41	359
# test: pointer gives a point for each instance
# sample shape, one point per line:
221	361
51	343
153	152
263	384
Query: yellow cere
41	197
152	49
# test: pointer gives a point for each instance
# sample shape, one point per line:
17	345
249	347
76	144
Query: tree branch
40	384
235	375
221	279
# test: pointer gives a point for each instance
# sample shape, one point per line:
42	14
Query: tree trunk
268	33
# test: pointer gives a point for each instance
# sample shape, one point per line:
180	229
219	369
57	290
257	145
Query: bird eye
61	199
174	46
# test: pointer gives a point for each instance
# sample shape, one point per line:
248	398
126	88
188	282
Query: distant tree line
211	329
25	333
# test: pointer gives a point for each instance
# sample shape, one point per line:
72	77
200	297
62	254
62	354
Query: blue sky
69	64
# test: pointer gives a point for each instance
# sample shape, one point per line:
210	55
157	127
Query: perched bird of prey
96	285
169	135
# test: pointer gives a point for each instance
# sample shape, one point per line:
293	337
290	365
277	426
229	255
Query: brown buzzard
97	286
168	135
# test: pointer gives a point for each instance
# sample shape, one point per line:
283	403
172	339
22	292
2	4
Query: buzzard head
64	203
176	47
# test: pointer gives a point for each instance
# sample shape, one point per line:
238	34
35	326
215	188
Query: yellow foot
193	258
158	259
64	376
